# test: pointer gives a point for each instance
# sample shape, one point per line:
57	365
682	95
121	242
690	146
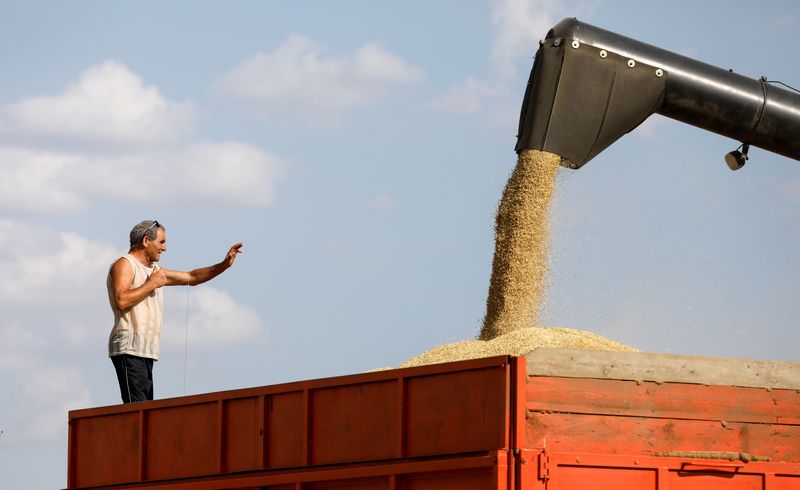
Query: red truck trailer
555	419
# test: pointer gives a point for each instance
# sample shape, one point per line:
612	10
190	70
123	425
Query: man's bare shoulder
121	266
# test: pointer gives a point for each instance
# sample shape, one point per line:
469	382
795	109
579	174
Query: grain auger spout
589	86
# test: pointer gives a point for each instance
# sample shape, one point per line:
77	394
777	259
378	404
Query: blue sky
358	149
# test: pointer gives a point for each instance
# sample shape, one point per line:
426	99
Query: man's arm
203	274
126	296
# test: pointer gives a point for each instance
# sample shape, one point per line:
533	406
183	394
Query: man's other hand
232	253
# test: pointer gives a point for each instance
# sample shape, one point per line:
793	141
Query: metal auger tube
589	86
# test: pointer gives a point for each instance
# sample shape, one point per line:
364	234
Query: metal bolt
659	72
603	53
631	63
576	44
557	42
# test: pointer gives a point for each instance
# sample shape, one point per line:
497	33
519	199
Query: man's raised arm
203	274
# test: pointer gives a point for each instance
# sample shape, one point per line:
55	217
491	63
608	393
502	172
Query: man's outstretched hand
232	253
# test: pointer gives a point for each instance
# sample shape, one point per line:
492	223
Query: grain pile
516	343
522	239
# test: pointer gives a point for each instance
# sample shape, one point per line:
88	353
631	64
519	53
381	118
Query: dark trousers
135	376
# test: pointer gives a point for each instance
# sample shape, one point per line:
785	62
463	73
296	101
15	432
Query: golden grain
517	343
522	239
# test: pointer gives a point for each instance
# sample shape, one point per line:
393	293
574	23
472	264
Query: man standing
134	291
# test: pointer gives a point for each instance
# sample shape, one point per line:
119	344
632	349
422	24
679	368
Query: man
134	290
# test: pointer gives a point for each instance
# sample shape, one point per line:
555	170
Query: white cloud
42	392
17	346
32	181
300	77
520	24
465	97
230	172
51	288
43	267
195	174
107	104
46	393
214	319
65	151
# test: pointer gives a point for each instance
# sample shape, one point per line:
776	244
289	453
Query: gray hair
147	228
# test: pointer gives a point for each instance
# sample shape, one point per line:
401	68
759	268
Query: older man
134	290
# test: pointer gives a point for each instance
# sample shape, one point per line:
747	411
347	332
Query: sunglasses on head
154	224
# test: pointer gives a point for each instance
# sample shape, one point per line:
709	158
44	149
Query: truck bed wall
461	410
537	423
639	403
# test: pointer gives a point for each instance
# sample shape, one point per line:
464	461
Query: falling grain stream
519	281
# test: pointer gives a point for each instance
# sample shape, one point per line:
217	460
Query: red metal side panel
585	471
452	480
182	441
785	482
358	484
457	412
456	473
286	436
437	411
718	482
589	478
242	420
628	417
101	443
669	400
630	435
355	423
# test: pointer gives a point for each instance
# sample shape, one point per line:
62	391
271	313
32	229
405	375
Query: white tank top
137	330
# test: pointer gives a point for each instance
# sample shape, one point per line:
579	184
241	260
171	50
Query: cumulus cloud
466	97
31	181
199	173
51	290
37	264
43	392
518	26
46	393
302	76
18	343
66	151
107	104
214	319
